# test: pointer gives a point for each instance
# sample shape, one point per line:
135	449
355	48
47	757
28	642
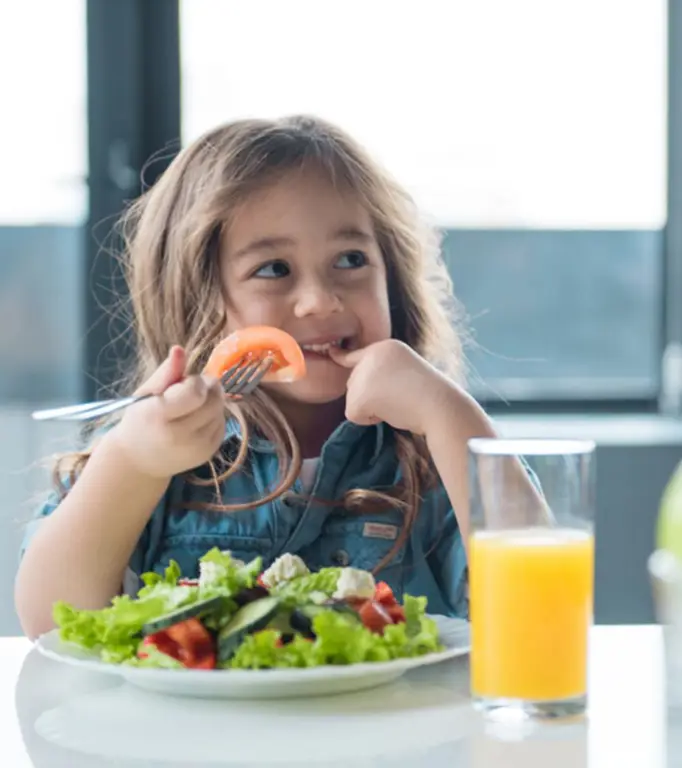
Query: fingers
206	424
183	398
212	433
180	428
357	416
187	397
170	372
211	412
344	358
177	364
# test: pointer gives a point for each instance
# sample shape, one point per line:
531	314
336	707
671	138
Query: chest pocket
187	548
359	542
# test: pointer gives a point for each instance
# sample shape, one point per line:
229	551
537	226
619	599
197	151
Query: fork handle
237	381
86	411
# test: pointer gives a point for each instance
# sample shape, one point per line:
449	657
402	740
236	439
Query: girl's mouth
322	350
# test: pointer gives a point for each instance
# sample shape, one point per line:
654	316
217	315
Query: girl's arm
80	552
453	420
390	382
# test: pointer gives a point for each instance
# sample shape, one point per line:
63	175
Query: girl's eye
352	260
273	270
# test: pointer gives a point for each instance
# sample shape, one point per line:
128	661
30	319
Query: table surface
55	715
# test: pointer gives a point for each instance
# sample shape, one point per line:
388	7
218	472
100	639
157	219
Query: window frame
670	399
134	114
133	63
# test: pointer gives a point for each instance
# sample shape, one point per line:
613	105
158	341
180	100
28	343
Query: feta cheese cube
285	568
354	582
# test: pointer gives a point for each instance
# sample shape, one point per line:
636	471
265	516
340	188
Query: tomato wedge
380	610
254	343
384	594
397	613
374	616
188	642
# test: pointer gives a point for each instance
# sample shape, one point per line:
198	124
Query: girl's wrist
452	408
114	451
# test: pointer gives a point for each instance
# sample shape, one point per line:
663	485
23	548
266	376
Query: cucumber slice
196	610
302	617
249	619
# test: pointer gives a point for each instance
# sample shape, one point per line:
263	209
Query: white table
425	719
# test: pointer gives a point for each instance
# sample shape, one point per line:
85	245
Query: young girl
363	462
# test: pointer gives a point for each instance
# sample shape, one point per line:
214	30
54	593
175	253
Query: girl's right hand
180	429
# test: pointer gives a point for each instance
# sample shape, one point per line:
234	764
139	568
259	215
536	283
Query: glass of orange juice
531	574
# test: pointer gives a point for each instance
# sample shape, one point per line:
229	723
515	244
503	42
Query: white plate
267	683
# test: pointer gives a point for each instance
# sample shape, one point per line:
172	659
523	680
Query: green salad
237	616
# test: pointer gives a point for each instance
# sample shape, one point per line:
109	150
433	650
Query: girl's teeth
320	349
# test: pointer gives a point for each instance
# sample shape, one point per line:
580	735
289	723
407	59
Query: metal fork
239	380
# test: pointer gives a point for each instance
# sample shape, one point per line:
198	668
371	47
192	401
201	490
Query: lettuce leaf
230	576
152	579
262	651
114	632
342	639
154	659
297	591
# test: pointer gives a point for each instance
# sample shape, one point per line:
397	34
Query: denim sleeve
47	508
448	563
140	557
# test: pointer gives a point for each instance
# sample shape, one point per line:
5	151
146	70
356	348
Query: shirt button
341	557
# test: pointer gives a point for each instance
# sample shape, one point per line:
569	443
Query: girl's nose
315	298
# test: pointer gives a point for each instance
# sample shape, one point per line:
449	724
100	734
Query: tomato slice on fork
256	343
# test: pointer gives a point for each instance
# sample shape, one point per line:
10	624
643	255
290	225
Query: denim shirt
432	561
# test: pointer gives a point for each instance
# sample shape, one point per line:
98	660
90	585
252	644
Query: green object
249	619
199	609
155	659
256	635
669	528
297	591
341	639
114	632
234	576
170	578
265	651
302	617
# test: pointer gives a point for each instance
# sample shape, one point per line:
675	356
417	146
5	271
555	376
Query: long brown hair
172	237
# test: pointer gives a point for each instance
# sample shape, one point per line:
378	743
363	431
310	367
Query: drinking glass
531	571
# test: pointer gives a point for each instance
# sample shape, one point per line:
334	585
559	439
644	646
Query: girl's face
302	256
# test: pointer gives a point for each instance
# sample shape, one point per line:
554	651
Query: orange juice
531	608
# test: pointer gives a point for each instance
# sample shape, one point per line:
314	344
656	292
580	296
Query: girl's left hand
390	382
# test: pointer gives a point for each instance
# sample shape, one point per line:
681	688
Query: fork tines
241	379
